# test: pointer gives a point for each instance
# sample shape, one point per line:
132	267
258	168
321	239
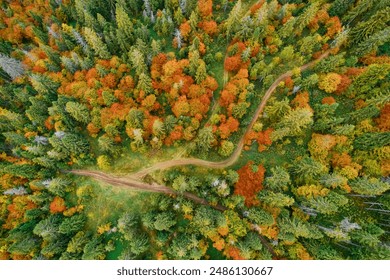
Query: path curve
237	152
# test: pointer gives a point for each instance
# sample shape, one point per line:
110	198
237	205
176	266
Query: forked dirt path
133	181
237	152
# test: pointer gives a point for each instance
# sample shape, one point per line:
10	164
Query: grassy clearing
108	203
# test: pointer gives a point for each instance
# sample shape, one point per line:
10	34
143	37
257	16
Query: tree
369	186
373	42
260	217
329	82
48	228
125	25
280	179
96	43
233	20
204	139
201	72
135	118
226	148
77	243
94	249
164	221
71	225
250	182
308	169
11	66
78	111
293	123
275	199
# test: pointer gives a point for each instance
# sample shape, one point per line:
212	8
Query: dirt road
237	152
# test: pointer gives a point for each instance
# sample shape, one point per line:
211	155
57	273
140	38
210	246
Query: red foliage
249	183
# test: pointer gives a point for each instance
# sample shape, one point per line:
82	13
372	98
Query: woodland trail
132	181
240	145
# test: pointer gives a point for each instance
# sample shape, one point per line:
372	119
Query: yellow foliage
349	172
103	228
320	145
311	191
103	162
329	82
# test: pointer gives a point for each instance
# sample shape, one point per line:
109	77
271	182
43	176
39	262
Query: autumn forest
194	129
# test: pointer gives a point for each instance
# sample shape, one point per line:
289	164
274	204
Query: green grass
109	203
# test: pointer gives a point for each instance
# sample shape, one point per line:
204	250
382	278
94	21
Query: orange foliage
256	6
227	128
249	183
334	26
181	107
185	29
199	105
219	244
289	83
270	231
383	121
210	27
370	59
328	100
57	205
341	160
264	139
233	252
109	80
344	84
233	63
301	100
16	210
92	129
223	231
49	123
227	98
205	7
202	48
176	134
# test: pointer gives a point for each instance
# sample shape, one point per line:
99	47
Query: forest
194	129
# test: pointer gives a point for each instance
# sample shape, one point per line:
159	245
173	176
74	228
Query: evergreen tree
96	43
